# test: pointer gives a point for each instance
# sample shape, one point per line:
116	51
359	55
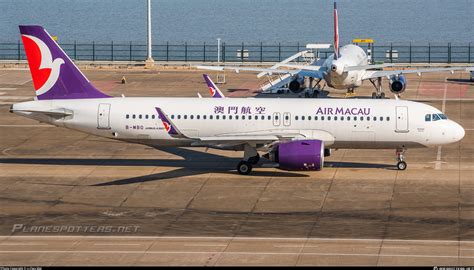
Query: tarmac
69	198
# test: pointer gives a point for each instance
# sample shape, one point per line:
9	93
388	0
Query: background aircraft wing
311	73
386	73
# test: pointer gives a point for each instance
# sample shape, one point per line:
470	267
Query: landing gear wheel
374	95
382	95
402	165
244	167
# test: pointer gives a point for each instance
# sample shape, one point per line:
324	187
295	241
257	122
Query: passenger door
103	116
402	119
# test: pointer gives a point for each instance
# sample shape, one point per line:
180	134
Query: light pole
149	61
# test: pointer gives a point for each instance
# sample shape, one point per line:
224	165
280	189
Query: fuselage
355	123
349	55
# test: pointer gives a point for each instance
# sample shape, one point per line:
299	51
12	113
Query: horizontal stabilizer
53	112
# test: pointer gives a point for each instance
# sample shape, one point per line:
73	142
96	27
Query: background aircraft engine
296	85
299	155
397	84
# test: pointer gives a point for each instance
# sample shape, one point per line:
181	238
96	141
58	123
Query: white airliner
346	69
295	134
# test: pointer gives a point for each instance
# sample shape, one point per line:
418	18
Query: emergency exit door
103	116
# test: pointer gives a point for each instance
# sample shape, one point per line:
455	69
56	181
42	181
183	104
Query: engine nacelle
397	84
299	155
296	85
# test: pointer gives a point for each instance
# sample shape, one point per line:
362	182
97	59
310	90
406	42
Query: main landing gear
350	92
379	94
401	165
251	157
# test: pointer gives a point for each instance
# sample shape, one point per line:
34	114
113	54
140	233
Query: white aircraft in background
346	69
295	134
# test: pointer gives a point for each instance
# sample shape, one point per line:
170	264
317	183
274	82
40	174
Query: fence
392	53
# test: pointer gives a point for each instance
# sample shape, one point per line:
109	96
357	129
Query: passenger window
256	117
296	117
191	116
133	116
368	118
269	117
211	117
388	118
139	116
348	118
146	116
276	117
127	116
316	118
335	118
230	117
302	117
342	118
204	117
381	118
217	117
185	116
355	118
263	117
375	118
309	118
436	117
223	117
361	118
322	118
152	116
243	117
236	117
179	116
329	118
287	117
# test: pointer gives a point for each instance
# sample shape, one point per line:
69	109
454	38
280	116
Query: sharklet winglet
168	125
213	89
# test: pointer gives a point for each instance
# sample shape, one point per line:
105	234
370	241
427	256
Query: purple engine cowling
300	155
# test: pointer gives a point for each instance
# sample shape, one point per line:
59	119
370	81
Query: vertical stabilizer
54	75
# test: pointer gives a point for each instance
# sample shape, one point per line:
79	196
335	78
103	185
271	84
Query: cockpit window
428	117
436	117
443	116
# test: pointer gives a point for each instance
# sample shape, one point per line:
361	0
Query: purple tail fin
215	92
54	75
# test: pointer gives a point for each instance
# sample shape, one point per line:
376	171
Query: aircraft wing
357	68
386	73
310	72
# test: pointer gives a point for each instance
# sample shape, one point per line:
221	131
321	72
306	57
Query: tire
244	168
402	165
382	95
374	95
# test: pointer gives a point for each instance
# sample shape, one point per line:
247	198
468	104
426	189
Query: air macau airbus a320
294	134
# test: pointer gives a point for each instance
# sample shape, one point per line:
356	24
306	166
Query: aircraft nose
457	132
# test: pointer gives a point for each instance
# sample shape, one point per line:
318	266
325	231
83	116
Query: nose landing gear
401	165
